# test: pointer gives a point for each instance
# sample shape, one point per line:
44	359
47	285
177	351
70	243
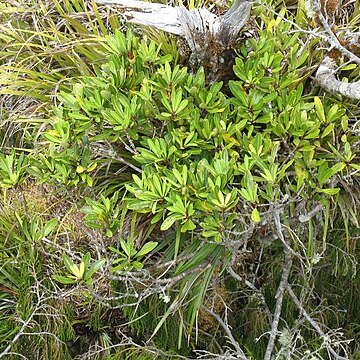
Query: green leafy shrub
204	163
186	181
199	151
12	169
83	272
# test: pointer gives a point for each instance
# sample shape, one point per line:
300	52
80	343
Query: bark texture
325	76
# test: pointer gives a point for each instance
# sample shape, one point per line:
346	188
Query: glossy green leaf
147	248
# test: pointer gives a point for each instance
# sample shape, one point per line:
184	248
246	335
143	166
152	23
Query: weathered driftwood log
211	38
325	76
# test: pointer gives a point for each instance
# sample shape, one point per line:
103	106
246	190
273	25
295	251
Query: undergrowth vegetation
147	214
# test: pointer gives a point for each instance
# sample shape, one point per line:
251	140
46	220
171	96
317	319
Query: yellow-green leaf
255	215
80	169
319	109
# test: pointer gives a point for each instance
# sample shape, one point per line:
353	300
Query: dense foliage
154	205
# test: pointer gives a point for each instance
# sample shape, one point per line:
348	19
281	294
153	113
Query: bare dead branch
158	16
306	217
38	307
314	324
325	76
239	352
234	20
281	289
331	37
259	295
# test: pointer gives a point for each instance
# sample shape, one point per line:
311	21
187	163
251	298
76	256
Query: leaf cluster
205	156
